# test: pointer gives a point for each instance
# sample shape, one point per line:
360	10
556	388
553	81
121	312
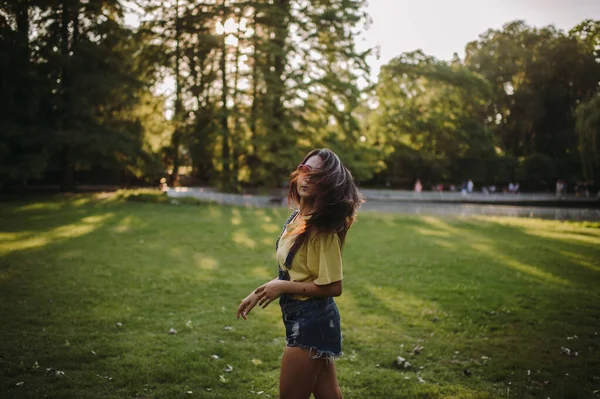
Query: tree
432	114
538	76
79	86
588	127
245	103
23	142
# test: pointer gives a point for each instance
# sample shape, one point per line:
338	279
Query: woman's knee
334	393
329	391
298	374
326	386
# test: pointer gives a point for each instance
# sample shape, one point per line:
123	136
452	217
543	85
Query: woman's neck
306	207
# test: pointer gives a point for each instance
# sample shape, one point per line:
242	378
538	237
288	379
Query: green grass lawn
490	300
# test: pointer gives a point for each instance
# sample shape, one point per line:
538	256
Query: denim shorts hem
316	353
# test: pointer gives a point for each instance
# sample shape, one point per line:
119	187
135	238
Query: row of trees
258	83
73	97
523	105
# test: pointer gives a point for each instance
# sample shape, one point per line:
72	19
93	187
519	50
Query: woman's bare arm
248	303
273	289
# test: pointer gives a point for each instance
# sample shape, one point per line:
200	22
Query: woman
310	275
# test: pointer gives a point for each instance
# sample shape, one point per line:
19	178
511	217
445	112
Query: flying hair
336	200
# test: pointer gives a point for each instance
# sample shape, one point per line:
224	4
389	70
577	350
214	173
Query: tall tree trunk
22	64
176	137
235	147
67	167
226	177
202	159
253	160
278	87
67	163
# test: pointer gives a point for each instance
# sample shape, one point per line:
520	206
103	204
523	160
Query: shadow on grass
71	271
479	289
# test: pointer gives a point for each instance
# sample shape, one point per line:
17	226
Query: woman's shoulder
325	238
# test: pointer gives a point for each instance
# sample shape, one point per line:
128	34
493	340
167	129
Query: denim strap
284	274
284	226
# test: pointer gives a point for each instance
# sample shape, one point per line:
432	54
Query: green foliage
501	169
588	127
251	101
505	113
24	146
588	33
257	84
432	113
538	77
70	104
539	169
22	154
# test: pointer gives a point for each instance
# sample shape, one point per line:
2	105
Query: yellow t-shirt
318	260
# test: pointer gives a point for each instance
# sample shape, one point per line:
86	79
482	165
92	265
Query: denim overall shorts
312	324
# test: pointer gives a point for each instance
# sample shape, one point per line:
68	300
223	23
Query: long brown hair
336	199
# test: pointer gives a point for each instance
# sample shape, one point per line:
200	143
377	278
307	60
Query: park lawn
491	300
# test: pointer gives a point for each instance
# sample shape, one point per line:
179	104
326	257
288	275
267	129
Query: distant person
470	186
309	256
163	185
582	189
418	186
452	187
559	188
511	187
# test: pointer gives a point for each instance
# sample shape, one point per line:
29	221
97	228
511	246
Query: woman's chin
302	194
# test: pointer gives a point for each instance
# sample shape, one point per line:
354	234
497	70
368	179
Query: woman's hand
268	292
246	306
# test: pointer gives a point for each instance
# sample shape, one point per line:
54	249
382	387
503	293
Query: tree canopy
233	93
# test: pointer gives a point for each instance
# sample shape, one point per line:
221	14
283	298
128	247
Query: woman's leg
327	386
298	373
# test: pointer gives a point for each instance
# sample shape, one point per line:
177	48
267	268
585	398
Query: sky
442	27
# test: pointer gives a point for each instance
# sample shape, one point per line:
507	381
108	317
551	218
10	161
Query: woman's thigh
298	373
327	386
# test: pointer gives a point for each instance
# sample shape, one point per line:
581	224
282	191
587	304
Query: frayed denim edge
329	356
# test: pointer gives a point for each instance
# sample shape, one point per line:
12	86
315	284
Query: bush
538	171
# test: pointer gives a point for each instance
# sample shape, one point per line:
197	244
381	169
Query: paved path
398	205
476	197
458	209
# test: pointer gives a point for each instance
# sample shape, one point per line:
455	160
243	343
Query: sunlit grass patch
91	285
